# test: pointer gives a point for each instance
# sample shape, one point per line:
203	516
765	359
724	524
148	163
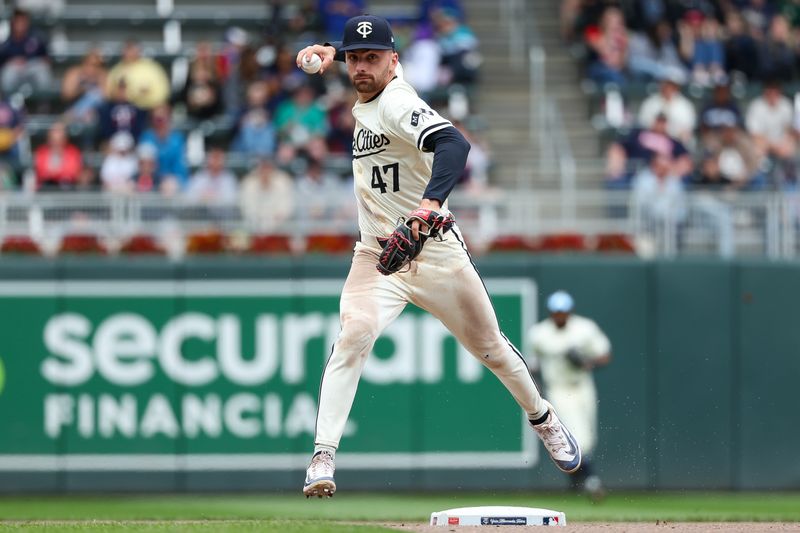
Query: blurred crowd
131	125
698	91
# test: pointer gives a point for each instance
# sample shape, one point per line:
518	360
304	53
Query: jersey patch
420	114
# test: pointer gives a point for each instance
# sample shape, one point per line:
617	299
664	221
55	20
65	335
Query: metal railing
743	224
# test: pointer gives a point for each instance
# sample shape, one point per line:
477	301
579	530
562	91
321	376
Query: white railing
514	18
745	224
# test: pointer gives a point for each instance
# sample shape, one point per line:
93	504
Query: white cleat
319	476
559	442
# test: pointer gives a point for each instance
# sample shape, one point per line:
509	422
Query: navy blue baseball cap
367	32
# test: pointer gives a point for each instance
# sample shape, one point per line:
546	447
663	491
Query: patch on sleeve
420	114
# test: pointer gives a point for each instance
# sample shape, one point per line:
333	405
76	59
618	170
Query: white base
498	516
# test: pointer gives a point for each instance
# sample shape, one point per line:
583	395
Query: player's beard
368	83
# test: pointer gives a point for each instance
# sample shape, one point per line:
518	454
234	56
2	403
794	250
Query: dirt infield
618	527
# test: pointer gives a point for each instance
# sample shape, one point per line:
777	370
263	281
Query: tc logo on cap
364	28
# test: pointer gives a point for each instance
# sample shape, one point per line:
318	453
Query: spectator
146	178
342	125
644	14
119	167
568	15
170	148
255	133
202	93
231	65
653	52
119	114
266	198
57	163
733	155
302	123
701	45
476	172
214	185
659	200
82	88
325	196
791	10
460	58
12	125
421	60
334	13
608	44
741	50
721	110
769	121
284	77
775	52
638	148
680	112
710	176
24	56
146	82
758	14
428	7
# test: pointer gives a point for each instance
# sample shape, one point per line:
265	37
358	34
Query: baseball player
565	347
406	160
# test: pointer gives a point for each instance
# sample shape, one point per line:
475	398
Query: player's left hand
417	224
406	241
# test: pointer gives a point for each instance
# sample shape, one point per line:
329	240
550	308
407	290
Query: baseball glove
576	358
400	248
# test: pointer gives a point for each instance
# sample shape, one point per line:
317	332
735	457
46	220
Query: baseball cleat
319	476
559	442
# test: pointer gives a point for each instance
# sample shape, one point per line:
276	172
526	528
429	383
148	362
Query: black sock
540	419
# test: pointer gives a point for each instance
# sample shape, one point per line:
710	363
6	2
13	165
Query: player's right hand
325	53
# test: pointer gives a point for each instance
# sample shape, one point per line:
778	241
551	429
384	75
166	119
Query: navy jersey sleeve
450	150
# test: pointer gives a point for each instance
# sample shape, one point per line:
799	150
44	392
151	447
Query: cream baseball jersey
550	345
390	168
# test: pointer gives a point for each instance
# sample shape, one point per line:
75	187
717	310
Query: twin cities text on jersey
366	142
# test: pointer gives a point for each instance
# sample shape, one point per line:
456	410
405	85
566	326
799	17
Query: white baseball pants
444	282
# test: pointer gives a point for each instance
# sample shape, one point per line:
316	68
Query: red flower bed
270	244
20	244
562	242
80	243
512	243
210	242
141	245
615	242
332	244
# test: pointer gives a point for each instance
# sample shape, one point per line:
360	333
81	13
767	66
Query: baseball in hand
311	64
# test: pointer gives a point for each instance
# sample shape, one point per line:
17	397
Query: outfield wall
201	376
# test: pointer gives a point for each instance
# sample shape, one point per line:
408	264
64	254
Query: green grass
295	514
